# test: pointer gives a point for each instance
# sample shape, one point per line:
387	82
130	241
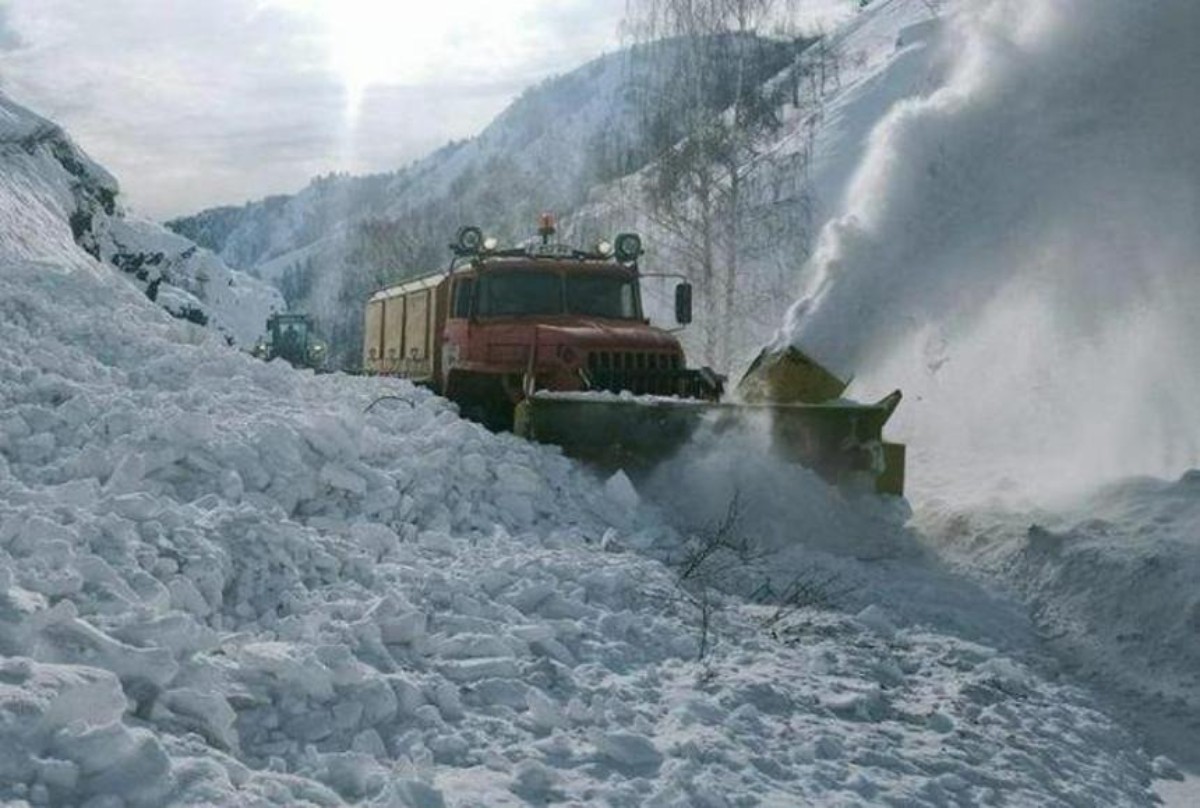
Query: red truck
499	324
514	336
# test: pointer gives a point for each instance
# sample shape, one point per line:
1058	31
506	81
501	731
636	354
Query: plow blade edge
841	441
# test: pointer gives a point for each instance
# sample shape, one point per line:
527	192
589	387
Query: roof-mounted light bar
470	242
628	247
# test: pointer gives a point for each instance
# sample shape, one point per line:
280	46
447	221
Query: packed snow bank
56	205
1110	579
1017	248
227	581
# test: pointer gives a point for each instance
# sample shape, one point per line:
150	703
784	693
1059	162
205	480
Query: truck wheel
482	399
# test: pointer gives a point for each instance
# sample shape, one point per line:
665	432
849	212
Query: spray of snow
1018	248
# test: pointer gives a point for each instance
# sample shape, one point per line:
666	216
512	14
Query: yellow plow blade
784	392
840	441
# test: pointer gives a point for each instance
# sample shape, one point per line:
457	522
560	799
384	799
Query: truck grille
642	373
632	360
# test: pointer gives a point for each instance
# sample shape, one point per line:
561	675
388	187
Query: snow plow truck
550	341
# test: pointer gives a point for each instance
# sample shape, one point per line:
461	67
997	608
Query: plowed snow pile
1111	580
227	582
1017	250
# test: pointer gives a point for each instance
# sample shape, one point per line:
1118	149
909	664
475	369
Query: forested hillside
657	114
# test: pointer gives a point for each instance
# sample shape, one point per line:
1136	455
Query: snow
231	582
1015	249
1109	578
55	200
1030	210
228	581
204	612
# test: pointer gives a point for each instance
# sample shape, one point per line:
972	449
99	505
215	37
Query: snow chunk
621	493
630	750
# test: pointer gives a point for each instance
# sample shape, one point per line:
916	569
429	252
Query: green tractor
291	337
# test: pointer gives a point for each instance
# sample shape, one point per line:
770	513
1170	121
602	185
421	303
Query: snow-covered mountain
227	582
587	146
56	202
545	152
549	151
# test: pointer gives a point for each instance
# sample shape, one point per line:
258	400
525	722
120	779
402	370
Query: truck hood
607	335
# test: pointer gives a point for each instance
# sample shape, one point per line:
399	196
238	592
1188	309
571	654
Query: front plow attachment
842	441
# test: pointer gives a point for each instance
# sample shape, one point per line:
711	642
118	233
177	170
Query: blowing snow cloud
1018	248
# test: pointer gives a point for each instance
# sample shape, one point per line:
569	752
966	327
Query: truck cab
499	325
291	337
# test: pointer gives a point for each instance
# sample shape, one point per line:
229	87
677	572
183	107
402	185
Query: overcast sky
194	103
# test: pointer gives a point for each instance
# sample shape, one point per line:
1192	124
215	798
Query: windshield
510	294
293	331
513	294
609	296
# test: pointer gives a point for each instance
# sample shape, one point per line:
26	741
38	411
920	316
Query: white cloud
200	102
194	103
8	37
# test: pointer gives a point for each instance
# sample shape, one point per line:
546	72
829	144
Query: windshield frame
564	274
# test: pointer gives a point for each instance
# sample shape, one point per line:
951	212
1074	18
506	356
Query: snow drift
1110	581
1017	249
224	581
60	207
229	582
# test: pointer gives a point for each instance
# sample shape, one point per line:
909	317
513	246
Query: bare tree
720	57
378	252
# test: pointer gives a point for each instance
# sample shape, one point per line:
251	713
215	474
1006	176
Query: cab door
457	332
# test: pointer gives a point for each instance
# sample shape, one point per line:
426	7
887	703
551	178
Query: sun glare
398	42
374	42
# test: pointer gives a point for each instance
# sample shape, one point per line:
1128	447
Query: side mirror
683	303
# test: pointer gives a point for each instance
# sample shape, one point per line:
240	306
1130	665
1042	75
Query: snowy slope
230	582
1014	245
542	143
1110	579
876	58
225	581
54	200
